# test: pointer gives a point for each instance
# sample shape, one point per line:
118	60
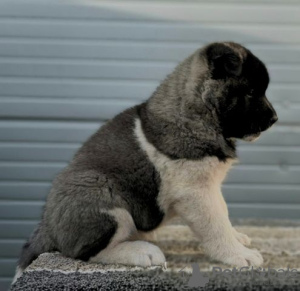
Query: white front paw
243	256
242	238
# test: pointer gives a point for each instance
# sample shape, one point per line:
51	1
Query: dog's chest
183	176
188	173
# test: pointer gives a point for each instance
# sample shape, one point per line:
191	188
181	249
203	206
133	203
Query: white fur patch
126	226
121	250
132	253
181	177
192	190
126	229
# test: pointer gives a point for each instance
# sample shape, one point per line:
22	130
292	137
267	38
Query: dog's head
235	88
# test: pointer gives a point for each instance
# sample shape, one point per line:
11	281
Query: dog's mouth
252	137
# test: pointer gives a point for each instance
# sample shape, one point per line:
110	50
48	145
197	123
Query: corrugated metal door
67	66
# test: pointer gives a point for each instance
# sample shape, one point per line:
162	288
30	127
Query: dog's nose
274	119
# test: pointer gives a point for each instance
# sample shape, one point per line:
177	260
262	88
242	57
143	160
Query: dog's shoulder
187	169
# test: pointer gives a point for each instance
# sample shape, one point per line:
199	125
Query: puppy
165	157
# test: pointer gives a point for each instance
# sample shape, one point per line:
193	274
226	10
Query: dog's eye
250	94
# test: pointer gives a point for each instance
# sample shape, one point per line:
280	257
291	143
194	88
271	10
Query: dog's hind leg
125	251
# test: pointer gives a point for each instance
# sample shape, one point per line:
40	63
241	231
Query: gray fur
178	121
181	119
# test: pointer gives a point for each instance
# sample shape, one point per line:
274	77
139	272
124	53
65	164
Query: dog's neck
180	139
180	125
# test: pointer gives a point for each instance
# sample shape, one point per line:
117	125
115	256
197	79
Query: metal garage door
67	66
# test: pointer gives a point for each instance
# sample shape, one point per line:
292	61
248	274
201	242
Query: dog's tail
37	244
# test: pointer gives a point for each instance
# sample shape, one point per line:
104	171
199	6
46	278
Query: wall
67	66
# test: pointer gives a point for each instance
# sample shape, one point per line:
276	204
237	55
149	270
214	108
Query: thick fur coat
165	157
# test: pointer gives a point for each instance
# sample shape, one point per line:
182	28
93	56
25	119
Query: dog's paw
147	255
132	253
242	238
243	257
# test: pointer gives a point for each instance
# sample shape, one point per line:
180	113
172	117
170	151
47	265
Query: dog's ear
223	61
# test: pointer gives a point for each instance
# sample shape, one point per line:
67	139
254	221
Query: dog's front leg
241	237
204	212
